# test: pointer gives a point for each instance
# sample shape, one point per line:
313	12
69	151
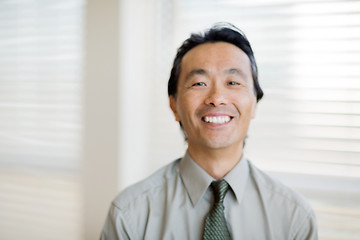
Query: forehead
215	55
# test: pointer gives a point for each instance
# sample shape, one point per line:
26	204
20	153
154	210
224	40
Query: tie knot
220	188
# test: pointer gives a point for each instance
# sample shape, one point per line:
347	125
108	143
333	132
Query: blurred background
84	109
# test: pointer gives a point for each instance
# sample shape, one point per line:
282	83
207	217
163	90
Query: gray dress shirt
174	201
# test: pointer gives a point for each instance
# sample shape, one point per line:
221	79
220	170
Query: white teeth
217	120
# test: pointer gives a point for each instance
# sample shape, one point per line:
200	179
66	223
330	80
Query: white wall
101	117
129	129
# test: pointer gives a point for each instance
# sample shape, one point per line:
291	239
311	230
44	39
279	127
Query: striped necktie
215	223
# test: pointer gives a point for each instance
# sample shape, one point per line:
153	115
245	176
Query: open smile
217	119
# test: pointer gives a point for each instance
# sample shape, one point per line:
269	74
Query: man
213	192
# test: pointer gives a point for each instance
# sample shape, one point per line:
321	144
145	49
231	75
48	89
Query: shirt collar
238	177
197	180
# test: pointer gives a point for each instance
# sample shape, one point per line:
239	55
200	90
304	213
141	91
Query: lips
217	119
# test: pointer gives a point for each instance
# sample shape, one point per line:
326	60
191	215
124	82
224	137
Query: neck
216	162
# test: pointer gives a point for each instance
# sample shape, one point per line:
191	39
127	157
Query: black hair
220	32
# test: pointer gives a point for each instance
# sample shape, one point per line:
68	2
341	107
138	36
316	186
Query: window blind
307	128
40	118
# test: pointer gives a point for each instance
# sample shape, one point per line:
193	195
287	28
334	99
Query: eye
201	84
232	83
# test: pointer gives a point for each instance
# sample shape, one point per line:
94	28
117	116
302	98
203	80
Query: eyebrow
231	71
195	72
236	71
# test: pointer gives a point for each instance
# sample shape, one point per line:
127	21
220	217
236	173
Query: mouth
217	119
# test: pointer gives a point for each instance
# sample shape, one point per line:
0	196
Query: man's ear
173	106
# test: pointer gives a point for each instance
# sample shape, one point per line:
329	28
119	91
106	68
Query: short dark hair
220	32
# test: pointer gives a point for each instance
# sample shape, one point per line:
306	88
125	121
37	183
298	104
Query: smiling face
215	98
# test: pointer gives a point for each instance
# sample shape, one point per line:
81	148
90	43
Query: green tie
215	223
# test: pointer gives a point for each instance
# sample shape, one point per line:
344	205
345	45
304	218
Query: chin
224	142
218	143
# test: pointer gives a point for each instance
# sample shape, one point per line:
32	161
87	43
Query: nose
216	97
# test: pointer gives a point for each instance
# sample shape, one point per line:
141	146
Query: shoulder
271	186
148	187
287	206
129	211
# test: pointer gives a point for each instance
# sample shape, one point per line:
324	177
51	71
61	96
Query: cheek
253	111
187	110
246	107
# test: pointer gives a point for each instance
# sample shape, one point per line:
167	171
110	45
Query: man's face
215	96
